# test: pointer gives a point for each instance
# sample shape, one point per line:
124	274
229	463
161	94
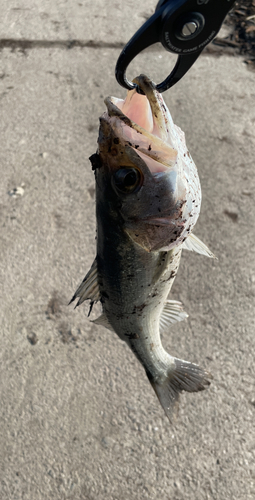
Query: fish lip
157	105
155	99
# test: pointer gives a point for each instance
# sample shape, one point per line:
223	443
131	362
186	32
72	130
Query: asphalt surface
79	419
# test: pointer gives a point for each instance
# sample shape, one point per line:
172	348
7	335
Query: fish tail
184	376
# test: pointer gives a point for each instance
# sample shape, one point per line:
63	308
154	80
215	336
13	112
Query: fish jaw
164	211
148	111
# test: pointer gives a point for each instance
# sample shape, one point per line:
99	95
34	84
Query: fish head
146	172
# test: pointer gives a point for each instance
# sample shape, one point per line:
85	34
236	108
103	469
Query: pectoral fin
89	288
194	244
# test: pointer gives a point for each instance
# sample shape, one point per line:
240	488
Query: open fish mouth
138	135
144	123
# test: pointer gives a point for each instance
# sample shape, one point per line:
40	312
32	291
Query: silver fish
148	200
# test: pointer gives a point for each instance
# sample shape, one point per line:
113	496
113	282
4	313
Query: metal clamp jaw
184	27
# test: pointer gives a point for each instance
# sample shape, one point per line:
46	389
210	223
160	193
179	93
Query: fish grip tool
183	27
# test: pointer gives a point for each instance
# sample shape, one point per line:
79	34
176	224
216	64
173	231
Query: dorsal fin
89	288
194	244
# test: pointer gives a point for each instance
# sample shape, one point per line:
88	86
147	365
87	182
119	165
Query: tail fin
184	376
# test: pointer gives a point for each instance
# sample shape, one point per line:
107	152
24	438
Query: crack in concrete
25	44
212	49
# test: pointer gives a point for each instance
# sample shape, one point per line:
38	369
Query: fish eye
127	180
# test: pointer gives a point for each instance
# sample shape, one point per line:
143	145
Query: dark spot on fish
105	295
159	209
113	152
130	143
172	275
126	120
132	336
149	148
232	215
95	161
136	146
138	309
116	140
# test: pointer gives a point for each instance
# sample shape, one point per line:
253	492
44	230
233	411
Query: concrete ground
79	420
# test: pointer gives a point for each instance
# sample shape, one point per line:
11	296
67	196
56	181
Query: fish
148	199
